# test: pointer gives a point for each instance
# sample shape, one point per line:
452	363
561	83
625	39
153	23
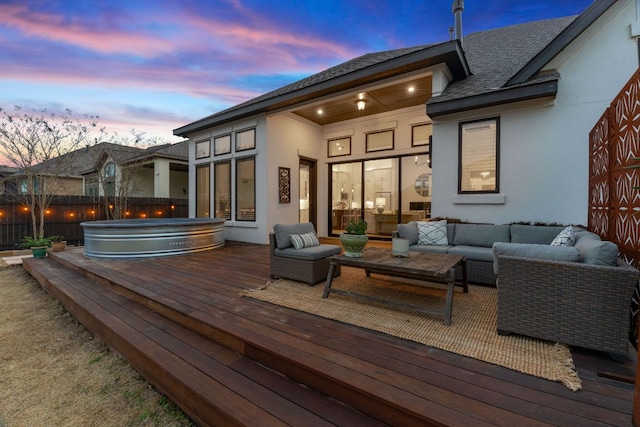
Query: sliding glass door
383	192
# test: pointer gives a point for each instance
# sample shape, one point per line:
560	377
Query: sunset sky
156	65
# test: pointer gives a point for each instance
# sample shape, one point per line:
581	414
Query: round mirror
422	185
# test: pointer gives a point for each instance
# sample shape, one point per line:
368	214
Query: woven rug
473	324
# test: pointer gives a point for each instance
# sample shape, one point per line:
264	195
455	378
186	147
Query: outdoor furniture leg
465	283
327	286
448	306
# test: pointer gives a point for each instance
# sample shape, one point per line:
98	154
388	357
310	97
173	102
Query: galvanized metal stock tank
151	237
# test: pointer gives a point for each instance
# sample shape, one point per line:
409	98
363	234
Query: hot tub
151	237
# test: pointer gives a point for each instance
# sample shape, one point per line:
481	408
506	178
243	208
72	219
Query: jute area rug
473	324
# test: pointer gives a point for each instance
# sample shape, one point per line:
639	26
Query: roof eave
568	35
516	94
449	53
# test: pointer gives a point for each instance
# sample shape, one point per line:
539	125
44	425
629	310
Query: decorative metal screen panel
614	143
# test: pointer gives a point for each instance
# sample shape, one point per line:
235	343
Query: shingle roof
494	56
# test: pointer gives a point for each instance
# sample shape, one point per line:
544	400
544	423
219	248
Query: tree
41	145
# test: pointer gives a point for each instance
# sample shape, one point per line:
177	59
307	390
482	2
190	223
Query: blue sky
156	65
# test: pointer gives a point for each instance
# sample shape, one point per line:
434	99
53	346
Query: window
222	145
222	191
91	185
110	179
246	140
202	191
202	149
478	156
246	189
339	147
420	134
379	141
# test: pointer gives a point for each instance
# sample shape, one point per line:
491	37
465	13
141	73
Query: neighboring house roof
495	66
7	170
87	160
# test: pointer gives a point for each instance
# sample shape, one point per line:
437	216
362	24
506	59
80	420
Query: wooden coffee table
429	267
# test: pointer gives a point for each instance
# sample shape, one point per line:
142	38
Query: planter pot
58	246
353	244
39	251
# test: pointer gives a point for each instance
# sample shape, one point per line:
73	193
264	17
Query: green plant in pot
354	238
58	243
38	246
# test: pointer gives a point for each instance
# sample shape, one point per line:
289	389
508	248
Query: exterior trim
505	96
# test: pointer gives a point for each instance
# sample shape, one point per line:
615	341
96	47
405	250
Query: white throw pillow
306	240
566	238
432	233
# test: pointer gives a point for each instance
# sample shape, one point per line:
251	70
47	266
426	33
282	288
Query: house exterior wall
178	184
544	145
69	186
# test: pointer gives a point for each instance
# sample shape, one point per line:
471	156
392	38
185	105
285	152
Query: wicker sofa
475	243
309	265
578	295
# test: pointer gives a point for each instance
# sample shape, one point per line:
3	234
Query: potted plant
58	243
354	238
38	246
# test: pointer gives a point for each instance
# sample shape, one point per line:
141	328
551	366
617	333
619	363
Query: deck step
212	383
402	404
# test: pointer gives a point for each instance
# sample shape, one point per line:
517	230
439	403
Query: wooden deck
227	360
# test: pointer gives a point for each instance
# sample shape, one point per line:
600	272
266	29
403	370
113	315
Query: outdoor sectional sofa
578	295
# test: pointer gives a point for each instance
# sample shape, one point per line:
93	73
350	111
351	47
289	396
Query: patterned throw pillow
306	240
432	233
566	238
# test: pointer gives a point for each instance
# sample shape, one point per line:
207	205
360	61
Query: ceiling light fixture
361	102
411	89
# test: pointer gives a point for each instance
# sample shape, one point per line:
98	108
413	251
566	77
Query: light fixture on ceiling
361	102
411	89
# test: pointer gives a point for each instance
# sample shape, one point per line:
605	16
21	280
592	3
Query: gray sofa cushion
474	253
430	248
539	234
309	254
484	235
596	251
283	231
408	231
530	250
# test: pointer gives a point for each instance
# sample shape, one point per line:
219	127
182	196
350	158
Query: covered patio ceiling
408	93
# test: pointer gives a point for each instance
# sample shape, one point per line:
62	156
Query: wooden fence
614	202
65	214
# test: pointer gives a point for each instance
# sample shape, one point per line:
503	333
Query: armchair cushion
409	231
306	240
283	231
312	253
530	250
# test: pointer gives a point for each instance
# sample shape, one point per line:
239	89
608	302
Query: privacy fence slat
65	214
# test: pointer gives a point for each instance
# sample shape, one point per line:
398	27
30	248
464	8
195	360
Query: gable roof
495	66
506	62
364	69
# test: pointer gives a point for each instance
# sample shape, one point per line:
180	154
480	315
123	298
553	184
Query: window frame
461	126
347	145
237	208
215	145
203	149
383	148
418	143
252	147
215	189
206	166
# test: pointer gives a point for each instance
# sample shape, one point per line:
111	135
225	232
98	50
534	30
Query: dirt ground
54	372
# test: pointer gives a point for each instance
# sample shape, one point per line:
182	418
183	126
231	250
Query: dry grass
54	372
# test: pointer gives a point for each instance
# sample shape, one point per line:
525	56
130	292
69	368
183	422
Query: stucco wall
544	145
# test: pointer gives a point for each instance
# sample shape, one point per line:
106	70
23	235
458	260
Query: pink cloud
55	28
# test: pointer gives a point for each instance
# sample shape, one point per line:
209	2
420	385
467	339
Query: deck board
397	381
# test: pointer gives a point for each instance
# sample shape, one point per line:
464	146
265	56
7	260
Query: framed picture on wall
284	184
